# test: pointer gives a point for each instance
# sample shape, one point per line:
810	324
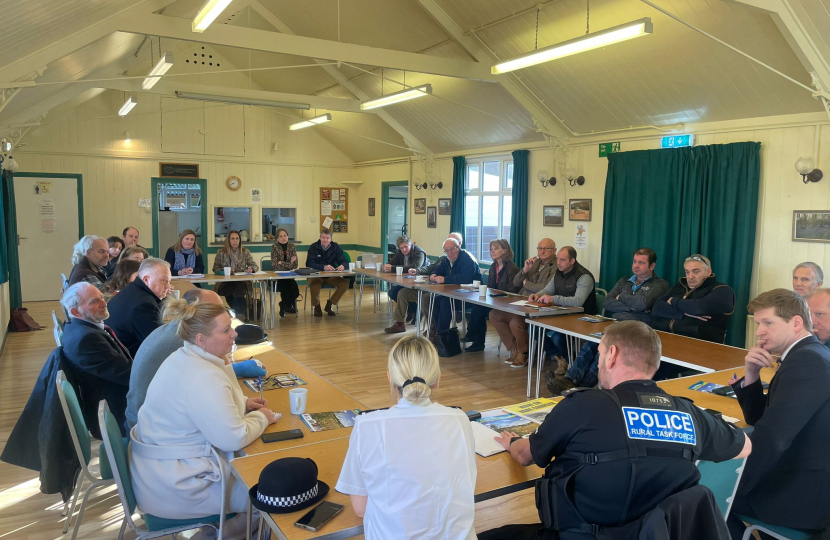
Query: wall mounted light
806	167
573	179
439	185
542	176
419	186
127	137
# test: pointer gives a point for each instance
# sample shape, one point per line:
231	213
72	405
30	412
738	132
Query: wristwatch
514	439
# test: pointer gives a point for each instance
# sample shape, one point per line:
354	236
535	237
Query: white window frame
481	252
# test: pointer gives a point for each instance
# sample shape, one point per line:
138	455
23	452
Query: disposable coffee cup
476	283
351	267
175	293
482	290
379	267
399	270
228	271
420	279
298	397
359	264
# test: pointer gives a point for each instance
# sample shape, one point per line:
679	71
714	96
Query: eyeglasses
448	251
545	248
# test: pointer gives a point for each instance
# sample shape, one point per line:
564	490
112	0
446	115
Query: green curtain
458	197
682	201
4	264
518	225
9	245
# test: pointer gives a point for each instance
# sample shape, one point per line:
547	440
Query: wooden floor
351	357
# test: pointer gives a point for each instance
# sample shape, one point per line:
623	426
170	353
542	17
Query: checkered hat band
285	502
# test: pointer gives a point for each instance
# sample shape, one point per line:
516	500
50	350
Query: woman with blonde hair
185	257
284	257
410	470
239	259
500	278
194	403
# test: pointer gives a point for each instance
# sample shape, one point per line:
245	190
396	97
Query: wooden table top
266	276
682	350
322	397
389	277
501	303
495	473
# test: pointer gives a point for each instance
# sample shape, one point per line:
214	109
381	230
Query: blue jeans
584	372
393	292
555	344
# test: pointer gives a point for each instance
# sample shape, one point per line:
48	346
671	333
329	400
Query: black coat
102	369
417	259
40	440
787	474
134	314
318	257
711	299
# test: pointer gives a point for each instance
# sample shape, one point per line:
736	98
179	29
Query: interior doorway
178	204
394	215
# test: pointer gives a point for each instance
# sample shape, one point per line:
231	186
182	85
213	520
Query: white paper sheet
519	303
485	441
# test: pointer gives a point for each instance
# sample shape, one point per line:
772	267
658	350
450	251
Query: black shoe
291	307
557	386
282	310
466	339
329	309
317	311
475	347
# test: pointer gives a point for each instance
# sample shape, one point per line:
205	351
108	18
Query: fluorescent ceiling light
128	106
164	64
310	122
208	14
243	101
397	97
584	43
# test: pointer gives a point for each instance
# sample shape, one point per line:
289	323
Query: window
488	204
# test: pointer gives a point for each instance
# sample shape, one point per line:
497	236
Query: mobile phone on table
497	295
319	516
278	436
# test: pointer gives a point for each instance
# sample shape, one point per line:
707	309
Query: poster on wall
581	238
256	195
47	217
325	207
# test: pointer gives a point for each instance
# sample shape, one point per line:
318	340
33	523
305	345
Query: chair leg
305	297
83	507
78	481
123	529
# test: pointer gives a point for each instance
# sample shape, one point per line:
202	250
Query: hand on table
185	271
436	278
270	415
541	299
504	439
328	268
387	267
255	403
341	268
411	271
250	269
756	359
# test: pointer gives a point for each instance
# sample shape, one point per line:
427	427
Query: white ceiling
675	75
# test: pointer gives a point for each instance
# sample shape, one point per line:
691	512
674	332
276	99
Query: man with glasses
412	258
697	306
536	273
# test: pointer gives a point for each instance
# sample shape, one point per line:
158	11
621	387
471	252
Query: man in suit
135	311
819	303
100	363
785	479
807	277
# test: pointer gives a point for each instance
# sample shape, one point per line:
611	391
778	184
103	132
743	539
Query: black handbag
447	343
307	271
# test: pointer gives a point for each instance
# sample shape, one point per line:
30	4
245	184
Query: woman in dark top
284	257
116	247
502	272
185	257
125	272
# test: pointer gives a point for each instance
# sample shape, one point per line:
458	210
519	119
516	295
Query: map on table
325	421
275	382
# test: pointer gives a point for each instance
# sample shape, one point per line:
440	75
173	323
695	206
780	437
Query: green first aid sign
608	148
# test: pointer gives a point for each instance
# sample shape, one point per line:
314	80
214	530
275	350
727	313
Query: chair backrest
64	283
58	328
601	294
722	478
75	419
119	461
348	257
265	263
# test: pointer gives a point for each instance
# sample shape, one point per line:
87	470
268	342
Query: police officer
620	450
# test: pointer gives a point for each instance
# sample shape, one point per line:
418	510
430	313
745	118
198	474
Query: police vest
651	419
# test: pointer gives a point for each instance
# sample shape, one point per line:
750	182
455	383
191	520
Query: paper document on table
191	276
260	273
485	440
519	303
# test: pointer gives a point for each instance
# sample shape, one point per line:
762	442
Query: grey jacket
538	277
160	344
640	300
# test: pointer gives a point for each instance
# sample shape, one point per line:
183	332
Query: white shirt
416	464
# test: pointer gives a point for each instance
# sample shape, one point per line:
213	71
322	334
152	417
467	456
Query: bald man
819	303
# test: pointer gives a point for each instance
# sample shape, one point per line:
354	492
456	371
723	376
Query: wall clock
233	183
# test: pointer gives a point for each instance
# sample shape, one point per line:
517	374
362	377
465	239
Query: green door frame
154	190
384	218
15	294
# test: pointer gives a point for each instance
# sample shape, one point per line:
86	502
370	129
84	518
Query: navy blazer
463	271
787	474
134	313
318	258
101	368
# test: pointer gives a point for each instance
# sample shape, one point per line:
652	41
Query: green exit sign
608	148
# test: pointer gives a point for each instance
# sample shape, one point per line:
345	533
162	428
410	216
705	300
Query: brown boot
317	311
561	368
520	361
396	328
329	310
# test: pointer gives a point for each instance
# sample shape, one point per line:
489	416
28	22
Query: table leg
360	302
418	316
463	317
248	521
259	530
429	317
540	354
531	354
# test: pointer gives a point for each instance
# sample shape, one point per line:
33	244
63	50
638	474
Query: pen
260	388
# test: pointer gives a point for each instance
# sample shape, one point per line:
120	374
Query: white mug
228	271
298	398
379	267
482	290
359	264
476	283
351	267
399	270
420	279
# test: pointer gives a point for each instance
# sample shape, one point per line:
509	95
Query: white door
47	229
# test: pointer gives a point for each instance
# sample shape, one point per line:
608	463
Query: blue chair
64	283
58	328
155	526
722	478
94	471
601	294
781	533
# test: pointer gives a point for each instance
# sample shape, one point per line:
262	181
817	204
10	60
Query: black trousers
289	291
477	325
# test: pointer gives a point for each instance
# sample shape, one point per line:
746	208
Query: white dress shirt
416	464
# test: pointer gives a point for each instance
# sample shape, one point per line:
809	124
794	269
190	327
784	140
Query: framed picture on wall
553	216
432	217
420	206
372	206
811	225
444	207
579	209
